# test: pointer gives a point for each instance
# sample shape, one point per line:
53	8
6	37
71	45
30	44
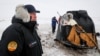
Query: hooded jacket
20	38
54	21
65	21
71	20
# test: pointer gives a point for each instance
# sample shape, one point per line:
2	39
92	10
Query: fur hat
22	12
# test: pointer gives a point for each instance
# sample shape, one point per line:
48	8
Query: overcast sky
49	8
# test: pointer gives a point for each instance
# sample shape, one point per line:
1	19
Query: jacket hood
65	16
16	20
22	13
30	25
70	14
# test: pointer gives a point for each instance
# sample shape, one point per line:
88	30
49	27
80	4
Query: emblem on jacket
12	46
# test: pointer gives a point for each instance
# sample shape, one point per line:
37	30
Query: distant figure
67	19
70	20
54	21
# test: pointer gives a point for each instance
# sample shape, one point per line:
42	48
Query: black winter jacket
26	38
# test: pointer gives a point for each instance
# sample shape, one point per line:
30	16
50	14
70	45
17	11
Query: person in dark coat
21	38
54	21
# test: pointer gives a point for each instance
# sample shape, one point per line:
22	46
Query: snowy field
52	48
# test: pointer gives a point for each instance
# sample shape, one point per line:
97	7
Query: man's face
33	16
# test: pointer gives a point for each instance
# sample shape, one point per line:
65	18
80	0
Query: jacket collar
28	25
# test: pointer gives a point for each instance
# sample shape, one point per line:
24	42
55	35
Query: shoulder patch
12	46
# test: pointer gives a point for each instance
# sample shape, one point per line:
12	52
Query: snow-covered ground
51	48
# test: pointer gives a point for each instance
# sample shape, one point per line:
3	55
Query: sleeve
12	43
56	21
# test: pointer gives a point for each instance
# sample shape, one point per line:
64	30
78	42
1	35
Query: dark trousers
53	29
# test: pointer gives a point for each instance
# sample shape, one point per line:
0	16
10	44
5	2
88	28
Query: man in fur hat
21	38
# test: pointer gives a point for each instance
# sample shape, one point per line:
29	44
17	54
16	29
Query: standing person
21	38
54	21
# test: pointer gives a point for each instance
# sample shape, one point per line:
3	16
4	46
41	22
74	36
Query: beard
30	25
33	23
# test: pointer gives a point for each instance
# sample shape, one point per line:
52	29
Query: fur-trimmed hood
71	20
22	13
65	16
70	14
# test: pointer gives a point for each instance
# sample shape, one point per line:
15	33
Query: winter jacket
71	20
28	43
54	21
20	38
64	20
